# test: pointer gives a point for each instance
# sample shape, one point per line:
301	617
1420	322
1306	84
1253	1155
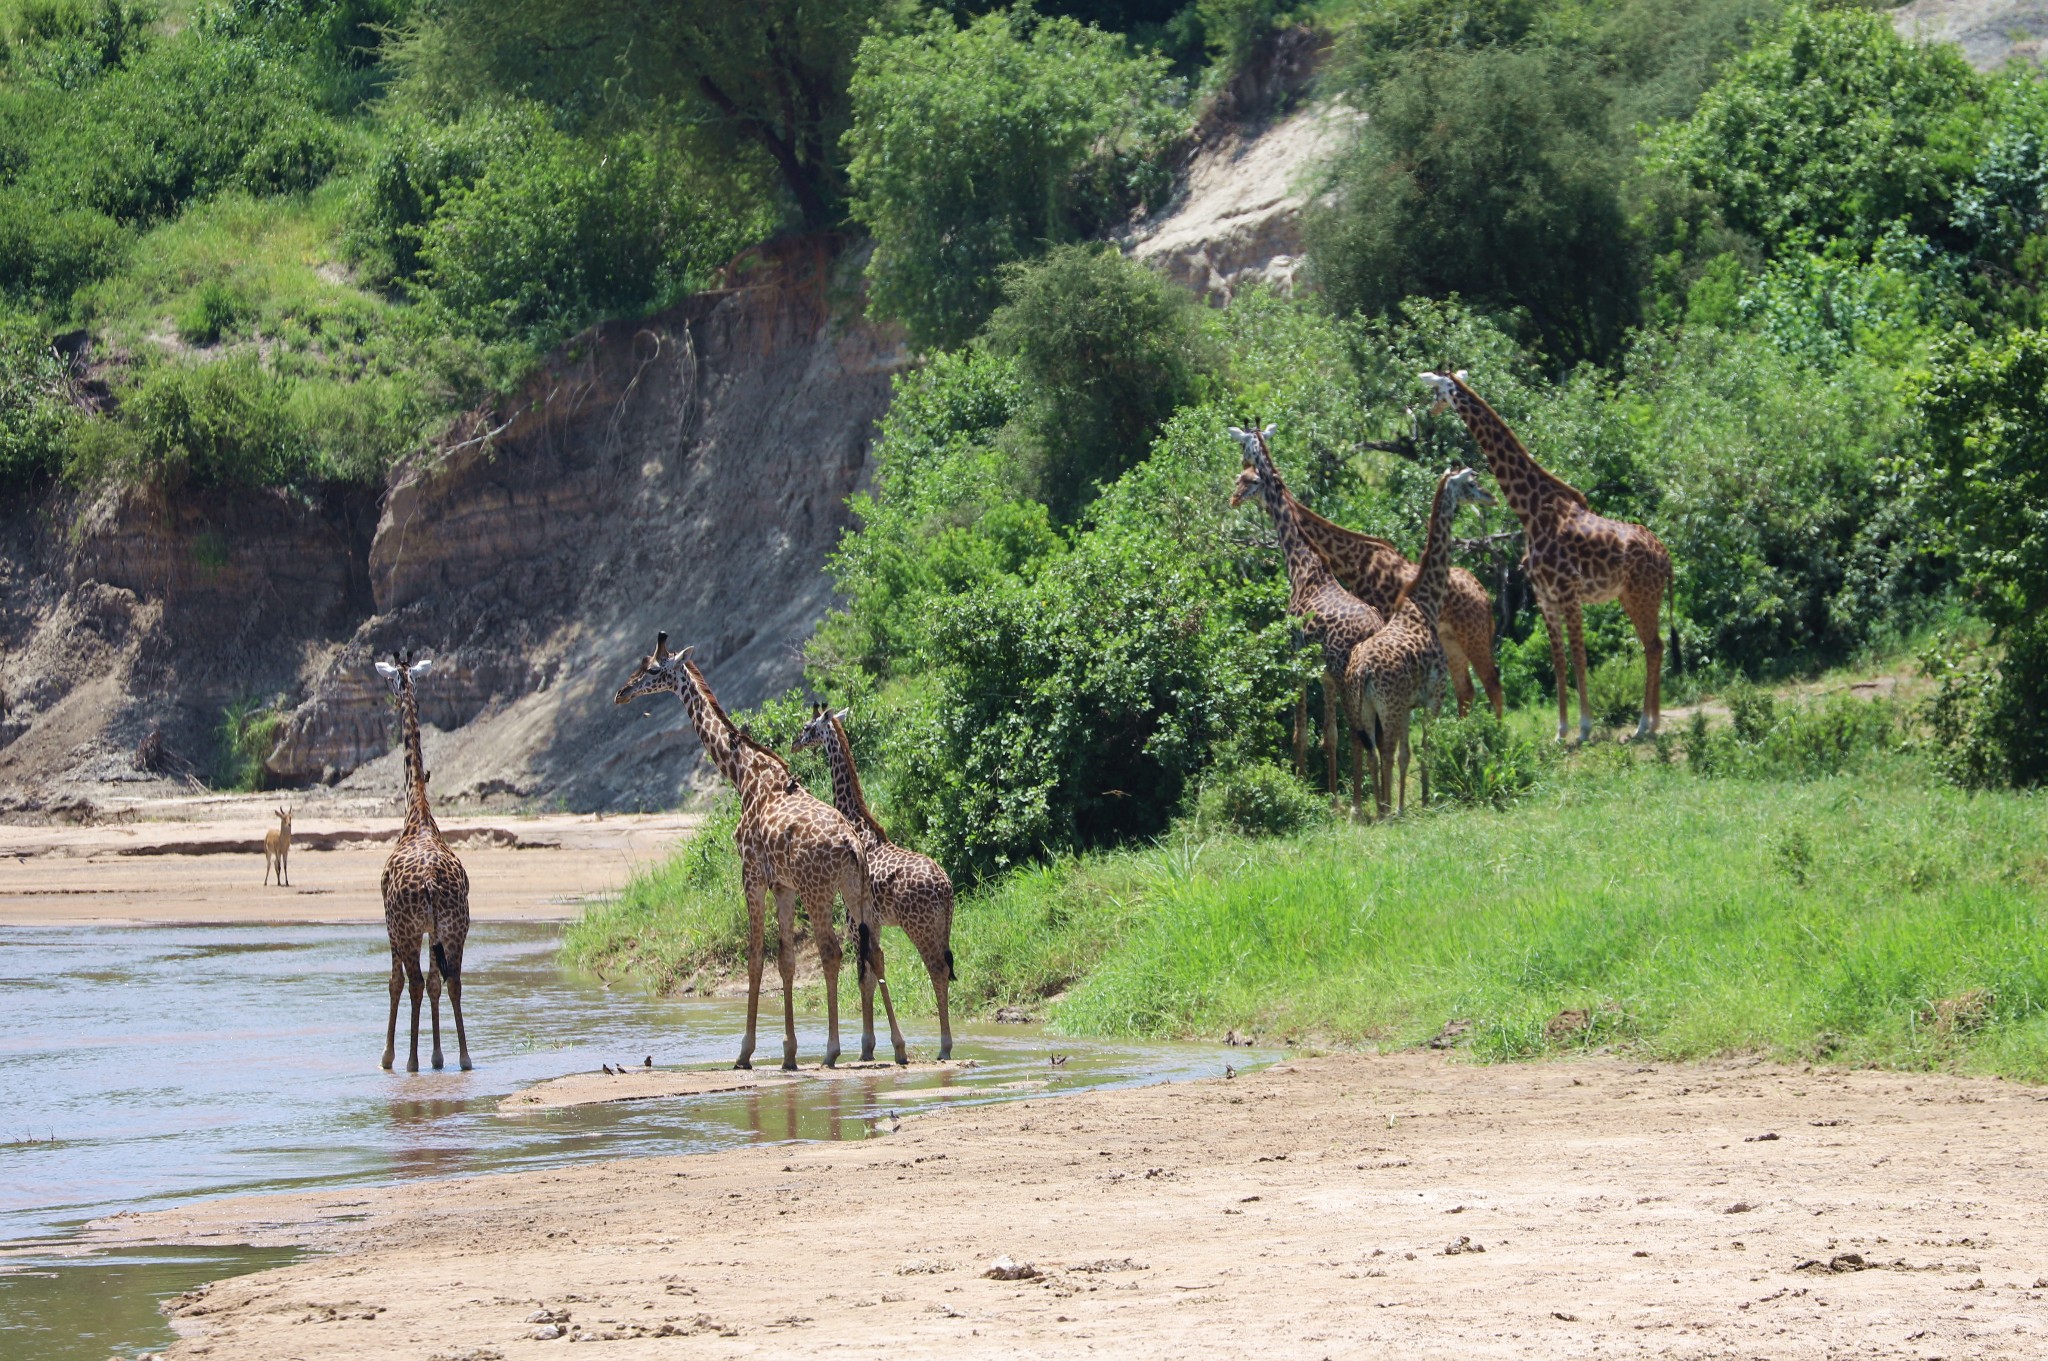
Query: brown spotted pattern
1576	558
793	847
1402	667
1331	617
1377	572
912	891
426	892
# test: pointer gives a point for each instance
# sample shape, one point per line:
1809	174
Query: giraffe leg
785	963
1393	750
1301	734
1489	676
869	965
831	956
434	996
451	969
414	980
1330	737
1575	624
391	1027
938	962
1461	676
1363	736
881	981
1643	614
1554	626
757	914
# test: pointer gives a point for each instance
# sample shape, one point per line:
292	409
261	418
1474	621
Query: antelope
277	844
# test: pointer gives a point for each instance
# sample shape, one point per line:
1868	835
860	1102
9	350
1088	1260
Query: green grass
1866	918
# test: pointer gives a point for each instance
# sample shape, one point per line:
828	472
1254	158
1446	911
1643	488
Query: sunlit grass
1867	918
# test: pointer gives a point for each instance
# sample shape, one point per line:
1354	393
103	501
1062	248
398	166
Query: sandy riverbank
206	864
1327	1207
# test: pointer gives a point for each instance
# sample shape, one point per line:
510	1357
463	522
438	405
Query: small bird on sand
607	1070
1229	1072
1058	1059
647	1062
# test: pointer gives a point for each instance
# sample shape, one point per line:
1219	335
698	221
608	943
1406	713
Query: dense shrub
33	409
1479	760
1108	349
973	147
66	43
48	252
1984	480
1490	174
1260	799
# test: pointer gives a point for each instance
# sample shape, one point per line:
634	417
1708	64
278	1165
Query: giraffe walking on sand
1332	617
912	891
792	846
426	890
1377	572
1402	666
1576	558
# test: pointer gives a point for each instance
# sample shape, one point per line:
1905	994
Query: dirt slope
1341	1207
687	471
1990	32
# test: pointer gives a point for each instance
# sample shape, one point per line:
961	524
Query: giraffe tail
864	934
1671	601
952	974
441	961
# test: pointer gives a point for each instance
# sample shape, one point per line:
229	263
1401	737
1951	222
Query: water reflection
144	1066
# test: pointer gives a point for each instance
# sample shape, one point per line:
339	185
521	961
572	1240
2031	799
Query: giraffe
1375	571
1402	666
426	890
1576	558
1331	616
792	846
277	849
912	891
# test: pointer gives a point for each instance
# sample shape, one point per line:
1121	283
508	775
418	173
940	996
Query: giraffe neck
1433	573
418	812
1525	483
714	729
1306	570
846	790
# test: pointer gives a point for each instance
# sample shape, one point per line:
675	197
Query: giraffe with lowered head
792	846
426	890
1576	558
1377	572
1402	666
1331	617
912	891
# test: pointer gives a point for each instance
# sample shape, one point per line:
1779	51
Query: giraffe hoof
465	1065
902	1058
789	1065
745	1065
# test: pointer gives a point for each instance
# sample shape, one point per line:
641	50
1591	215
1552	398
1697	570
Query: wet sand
1343	1206
208	865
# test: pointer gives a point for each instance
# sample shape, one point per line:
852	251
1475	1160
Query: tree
975	147
771	74
1490	174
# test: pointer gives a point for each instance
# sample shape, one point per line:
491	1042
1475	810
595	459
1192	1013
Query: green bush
1479	760
1614	690
1109	349
248	734
222	423
974	147
217	306
34	412
47	253
1489	174
1260	799
66	43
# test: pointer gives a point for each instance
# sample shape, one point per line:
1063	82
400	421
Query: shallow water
148	1066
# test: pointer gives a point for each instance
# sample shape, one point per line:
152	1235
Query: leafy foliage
1487	174
33	412
973	146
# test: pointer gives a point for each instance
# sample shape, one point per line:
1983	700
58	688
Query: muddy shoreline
1337	1206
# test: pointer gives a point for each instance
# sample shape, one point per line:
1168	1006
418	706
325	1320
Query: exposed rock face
686	472
1990	32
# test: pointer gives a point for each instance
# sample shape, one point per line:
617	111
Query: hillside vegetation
1765	277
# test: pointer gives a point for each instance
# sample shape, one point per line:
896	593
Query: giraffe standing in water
1402	667
426	890
1576	558
792	846
912	891
1332	617
1376	572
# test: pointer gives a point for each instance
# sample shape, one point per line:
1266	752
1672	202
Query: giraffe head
1253	440
401	671
1247	485
1460	487
1445	385
659	670
819	728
